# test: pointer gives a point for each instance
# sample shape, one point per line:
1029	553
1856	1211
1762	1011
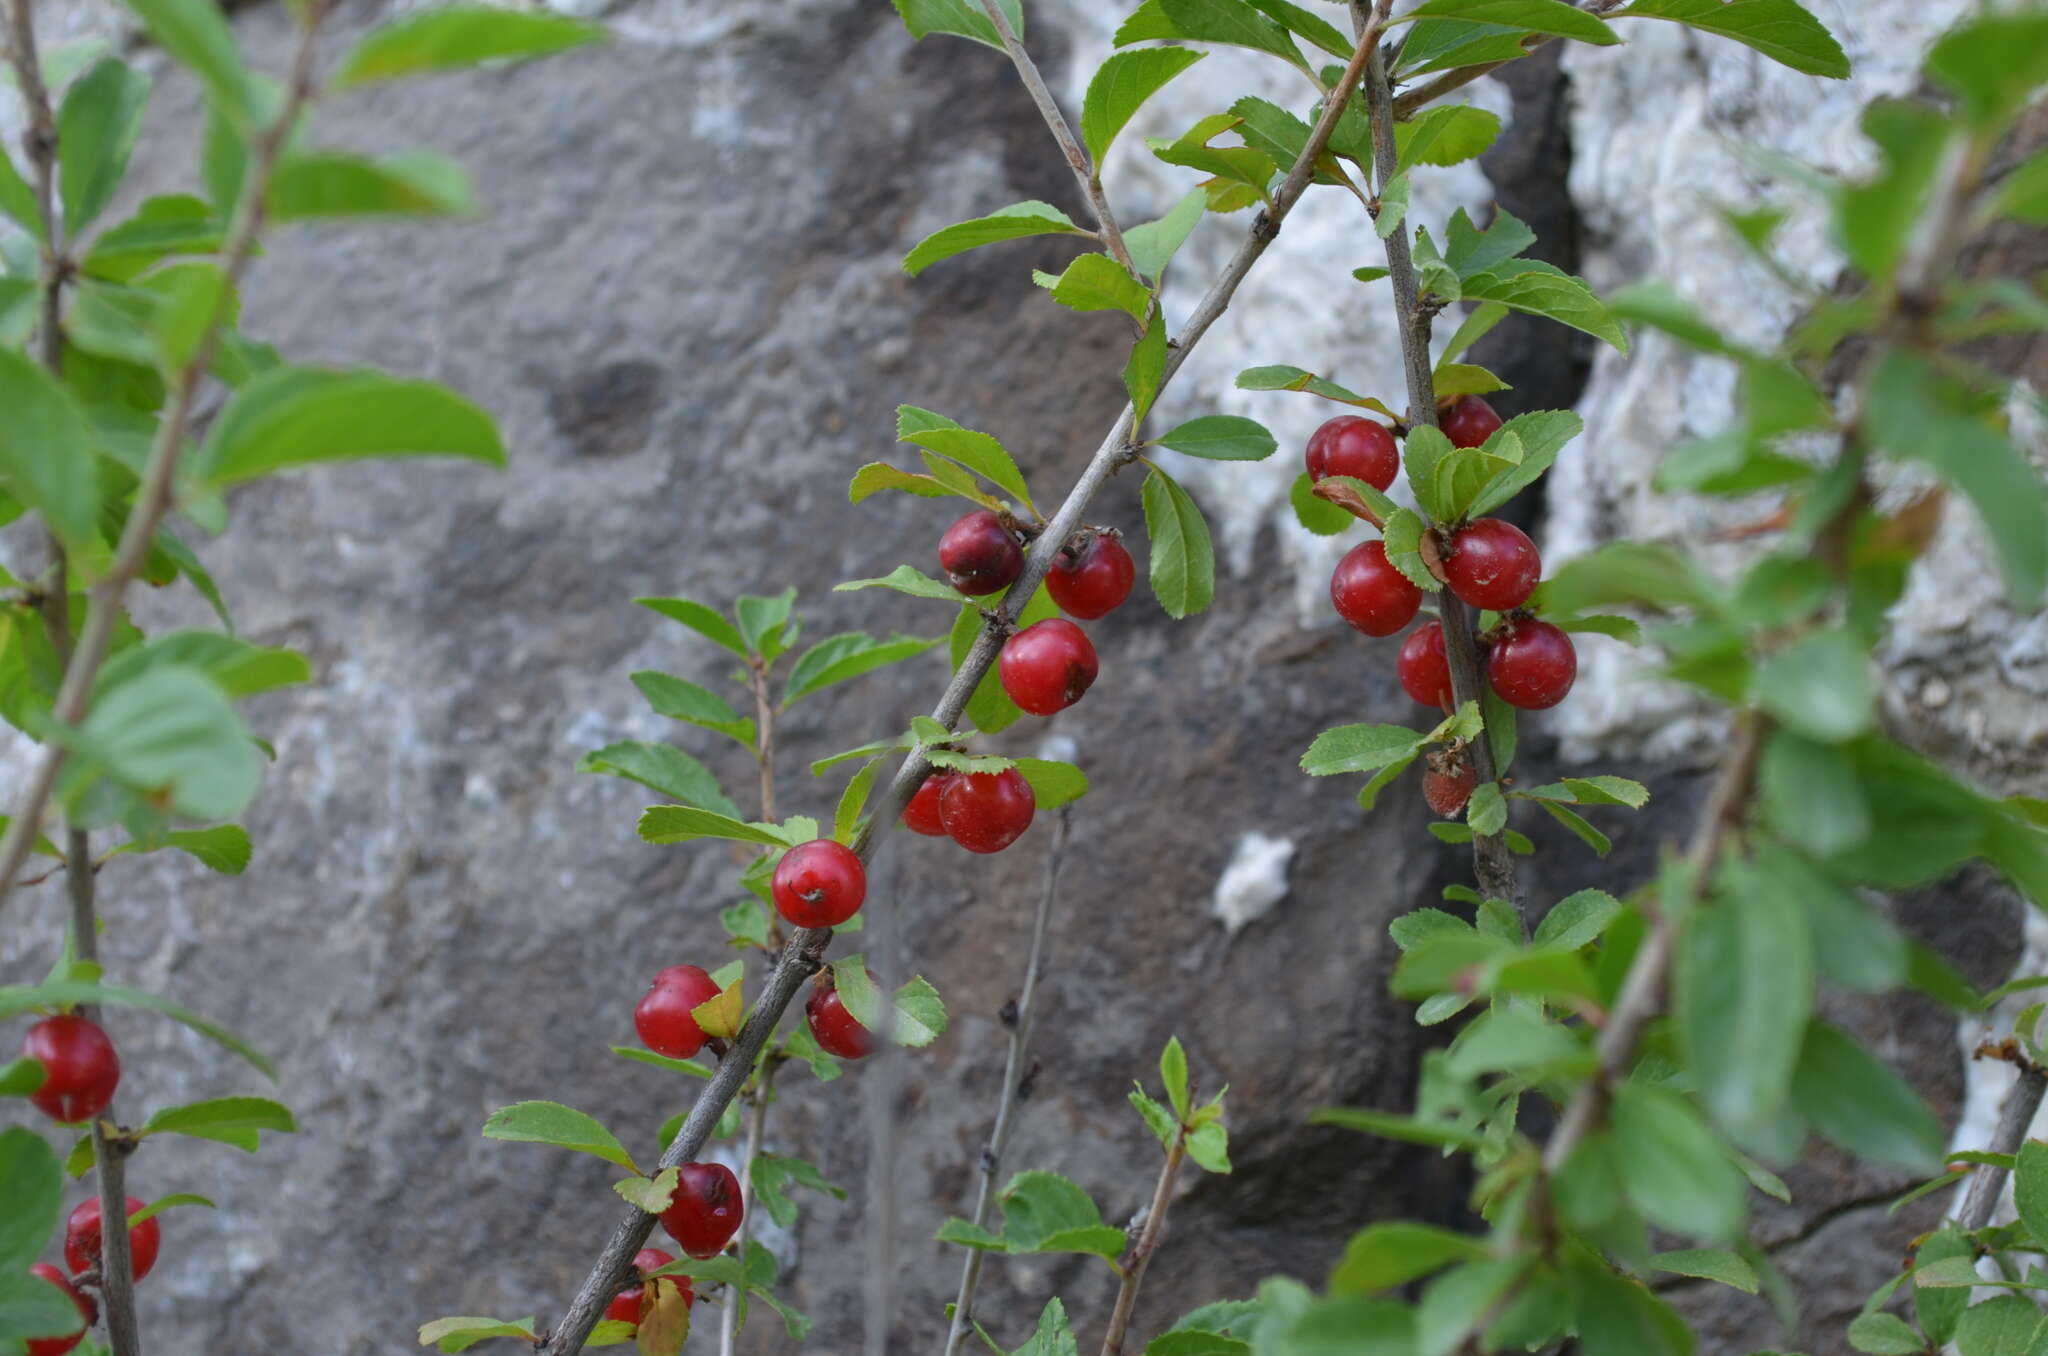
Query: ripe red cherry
663	1018
80	1068
1371	594
1093	581
1047	666
837	1032
819	884
1534	666
922	814
1425	668
625	1307
1492	564
1352	446
988	811
1448	782
87	1310
1469	421
979	555
82	1239
705	1212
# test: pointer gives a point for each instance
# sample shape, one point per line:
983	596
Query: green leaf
1744	989
1447	135
1812	795
1541	289
2030	1187
1819	686
1487	812
195	33
1625	572
1209	1145
1319	516
907	579
1095	282
18	200
1780	29
1554	17
1044	1212
1860	1105
553	1123
773	1175
1153	244
877	476
1391	1125
1010	223
848	655
33	1307
1182	561
20	1076
961	18
1542	435
1146	369
1226	21
33	1187
295	416
1393	211
1885	1335
1673	1169
460	1334
1875	219
96	130
651	1194
1939	1308
1173	1074
1221	437
684	824
920	1014
2002	1326
170	734
237	1121
1053	783
19	999
1388	1255
1284	378
449	37
679	700
1619	1317
46	448
1993	64
1308	25
2022	195
1709	1264
1120	87
1577	920
979	453
241	669
1402	536
318	185
705	621
1359	748
1053	1337
1158	1119
666	769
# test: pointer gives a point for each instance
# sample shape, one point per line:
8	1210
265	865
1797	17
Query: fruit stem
1025	1011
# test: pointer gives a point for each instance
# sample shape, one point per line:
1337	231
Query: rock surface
686	308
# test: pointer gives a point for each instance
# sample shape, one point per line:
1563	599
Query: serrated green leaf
1014	222
1554	17
1221	437
774	1174
449	37
1446	135
294	416
561	1126
46	447
1153	244
1121	86
1781	29
96	129
961	18
1359	748
1226	21
460	1334
1540	289
664	768
1181	559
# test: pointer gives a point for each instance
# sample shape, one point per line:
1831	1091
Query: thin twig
2015	1118
764	740
805	951
153	496
1088	175
1013	1076
1491	861
1141	1253
40	142
729	1320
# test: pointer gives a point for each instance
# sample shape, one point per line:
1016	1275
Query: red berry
1352	446
1093	581
1371	594
1448	782
1469	421
988	811
82	1239
979	555
1534	666
626	1306
819	884
837	1031
1492	564
663	1018
705	1212
80	1068
57	1346
922	814
1047	666
1425	668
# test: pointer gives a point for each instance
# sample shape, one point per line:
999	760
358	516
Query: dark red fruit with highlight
1353	446
1534	667
988	811
1093	581
819	884
625	1307
1492	564
1469	421
82	1239
1047	666
663	1017
979	554
837	1032
1371	594
705	1212
80	1068
1448	782
87	1310
1425	668
922	814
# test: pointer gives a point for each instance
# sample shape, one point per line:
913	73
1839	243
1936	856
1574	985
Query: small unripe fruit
1425	668
625	1307
1469	421
663	1018
1534	667
979	554
1371	594
1492	564
836	1029
1047	666
819	884
87	1310
1094	580
988	811
705	1212
921	815
82	1239
1353	446
1448	782
80	1068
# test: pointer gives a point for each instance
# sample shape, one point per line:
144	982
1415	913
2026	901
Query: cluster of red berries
1487	563
702	1217
82	1255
